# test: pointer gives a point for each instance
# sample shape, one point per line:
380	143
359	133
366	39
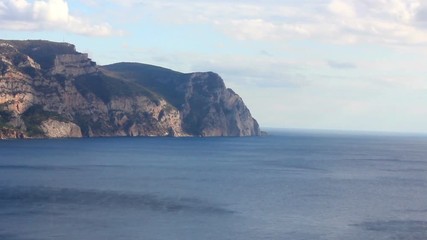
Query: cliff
49	89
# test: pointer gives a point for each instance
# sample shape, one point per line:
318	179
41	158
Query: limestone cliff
49	89
206	106
57	129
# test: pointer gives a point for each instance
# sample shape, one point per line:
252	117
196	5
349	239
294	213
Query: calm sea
289	185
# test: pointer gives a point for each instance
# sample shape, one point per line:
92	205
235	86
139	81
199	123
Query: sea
296	185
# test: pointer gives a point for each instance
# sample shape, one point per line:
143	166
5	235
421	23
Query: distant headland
49	90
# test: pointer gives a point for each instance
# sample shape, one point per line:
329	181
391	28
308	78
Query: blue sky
318	64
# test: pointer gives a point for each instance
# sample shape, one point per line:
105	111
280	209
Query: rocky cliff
49	89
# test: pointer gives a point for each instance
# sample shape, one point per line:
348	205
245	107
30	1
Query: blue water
290	185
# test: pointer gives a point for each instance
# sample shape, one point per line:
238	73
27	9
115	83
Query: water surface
290	185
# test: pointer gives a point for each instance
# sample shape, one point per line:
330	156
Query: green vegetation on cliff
43	52
34	116
160	80
54	81
5	117
106	87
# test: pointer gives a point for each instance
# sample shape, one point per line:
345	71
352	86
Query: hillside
48	89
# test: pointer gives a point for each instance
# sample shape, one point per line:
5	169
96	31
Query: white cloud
341	65
385	21
401	22
257	29
51	11
47	15
261	72
343	8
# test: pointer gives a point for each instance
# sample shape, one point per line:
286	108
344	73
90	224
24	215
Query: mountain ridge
48	89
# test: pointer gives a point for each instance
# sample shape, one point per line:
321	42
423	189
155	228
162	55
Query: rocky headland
49	90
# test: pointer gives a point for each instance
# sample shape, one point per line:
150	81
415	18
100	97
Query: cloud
343	8
421	15
414	83
393	22
258	71
341	65
387	21
261	72
47	15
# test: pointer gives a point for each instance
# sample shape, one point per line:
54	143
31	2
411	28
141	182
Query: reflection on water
42	196
32	168
398	229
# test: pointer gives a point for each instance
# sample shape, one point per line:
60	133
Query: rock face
56	129
212	110
50	90
206	106
73	65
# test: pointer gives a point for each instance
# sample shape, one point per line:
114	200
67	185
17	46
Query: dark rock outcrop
49	89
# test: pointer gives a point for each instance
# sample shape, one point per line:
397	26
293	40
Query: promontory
49	90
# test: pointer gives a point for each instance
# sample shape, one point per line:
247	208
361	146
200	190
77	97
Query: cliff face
73	65
49	90
206	106
210	109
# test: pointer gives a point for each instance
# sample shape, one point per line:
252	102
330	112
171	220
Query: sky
311	64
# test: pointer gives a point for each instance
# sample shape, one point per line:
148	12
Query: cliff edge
48	89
